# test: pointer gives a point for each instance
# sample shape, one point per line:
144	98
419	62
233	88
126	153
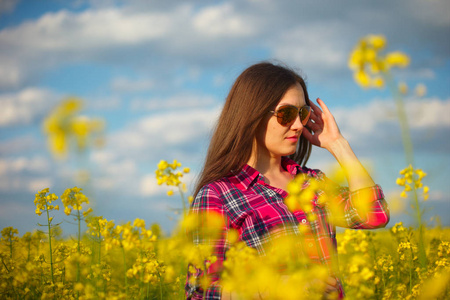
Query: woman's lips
293	138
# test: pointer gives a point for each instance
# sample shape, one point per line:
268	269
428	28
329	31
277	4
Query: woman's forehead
293	96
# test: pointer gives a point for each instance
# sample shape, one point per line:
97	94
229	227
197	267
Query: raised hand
325	131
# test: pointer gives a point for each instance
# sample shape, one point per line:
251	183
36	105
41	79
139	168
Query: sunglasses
287	114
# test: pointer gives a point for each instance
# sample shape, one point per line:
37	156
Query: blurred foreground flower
64	126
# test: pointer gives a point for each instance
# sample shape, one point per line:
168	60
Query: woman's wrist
339	148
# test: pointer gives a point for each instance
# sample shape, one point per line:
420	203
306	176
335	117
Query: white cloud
160	37
163	133
25	106
13	166
64	37
149	186
174	128
25	174
131	155
18	144
38	184
429	113
299	46
220	21
375	126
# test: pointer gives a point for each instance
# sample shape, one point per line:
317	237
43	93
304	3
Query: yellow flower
162	165
397	59
378	82
67	210
401	181
169	193
367	61
377	41
362	78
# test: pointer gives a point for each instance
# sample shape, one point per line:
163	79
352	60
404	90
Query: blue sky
158	73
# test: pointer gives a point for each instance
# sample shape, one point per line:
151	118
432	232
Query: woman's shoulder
219	186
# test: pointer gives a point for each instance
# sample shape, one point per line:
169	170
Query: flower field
133	261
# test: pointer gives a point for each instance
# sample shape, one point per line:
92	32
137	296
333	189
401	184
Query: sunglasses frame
299	110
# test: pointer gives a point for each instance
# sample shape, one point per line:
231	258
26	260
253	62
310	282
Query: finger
313	125
323	106
314	106
315	118
316	112
331	281
330	289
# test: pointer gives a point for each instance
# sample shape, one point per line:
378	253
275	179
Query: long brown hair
254	93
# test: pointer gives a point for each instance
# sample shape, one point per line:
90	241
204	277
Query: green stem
182	200
10	246
125	267
78	248
160	286
50	242
29	250
409	155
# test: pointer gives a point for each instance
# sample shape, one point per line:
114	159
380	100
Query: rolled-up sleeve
361	209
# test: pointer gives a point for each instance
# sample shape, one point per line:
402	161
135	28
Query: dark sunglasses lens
304	114
286	115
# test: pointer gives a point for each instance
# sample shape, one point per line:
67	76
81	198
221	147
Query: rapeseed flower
63	125
370	64
411	179
73	199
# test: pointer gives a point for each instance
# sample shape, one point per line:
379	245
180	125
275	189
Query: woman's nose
297	125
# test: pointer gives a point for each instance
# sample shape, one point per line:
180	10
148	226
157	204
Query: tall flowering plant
371	67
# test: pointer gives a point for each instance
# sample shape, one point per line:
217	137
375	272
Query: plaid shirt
254	208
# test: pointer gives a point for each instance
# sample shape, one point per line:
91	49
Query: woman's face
276	140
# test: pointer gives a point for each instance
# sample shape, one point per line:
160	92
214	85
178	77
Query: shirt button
304	221
310	245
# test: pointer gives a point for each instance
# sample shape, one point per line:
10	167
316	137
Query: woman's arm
326	134
362	205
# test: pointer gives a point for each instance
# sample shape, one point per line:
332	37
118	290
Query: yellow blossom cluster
43	202
411	179
407	250
369	63
385	264
282	273
73	199
398	228
167	174
64	125
147	268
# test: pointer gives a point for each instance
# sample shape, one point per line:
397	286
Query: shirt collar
248	175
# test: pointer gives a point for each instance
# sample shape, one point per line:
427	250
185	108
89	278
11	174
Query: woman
262	140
